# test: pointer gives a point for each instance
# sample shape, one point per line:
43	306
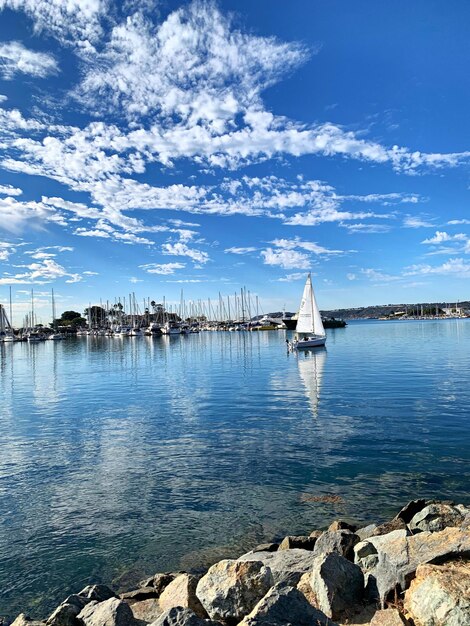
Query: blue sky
150	146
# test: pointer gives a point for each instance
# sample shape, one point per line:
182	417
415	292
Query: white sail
309	318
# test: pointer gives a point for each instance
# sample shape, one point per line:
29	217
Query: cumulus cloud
181	249
45	271
457	266
442	236
15	58
9	190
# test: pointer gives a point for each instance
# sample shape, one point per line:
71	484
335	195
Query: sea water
122	457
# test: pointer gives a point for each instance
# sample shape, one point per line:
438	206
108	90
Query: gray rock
316	533
409	510
340	524
337	583
440	595
145	610
366	531
144	593
178	616
66	613
112	612
285	606
340	541
389	561
182	592
298	541
266	547
438	516
24	620
388	617
285	565
389	527
100	593
159	581
230	589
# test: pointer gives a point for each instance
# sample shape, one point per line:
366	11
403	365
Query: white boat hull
309	342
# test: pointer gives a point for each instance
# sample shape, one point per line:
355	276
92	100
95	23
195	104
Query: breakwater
413	569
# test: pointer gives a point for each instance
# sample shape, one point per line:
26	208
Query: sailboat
55	336
309	330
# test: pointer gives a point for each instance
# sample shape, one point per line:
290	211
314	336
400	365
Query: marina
120	458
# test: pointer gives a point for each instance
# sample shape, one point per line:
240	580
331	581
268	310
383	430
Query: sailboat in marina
55	336
310	332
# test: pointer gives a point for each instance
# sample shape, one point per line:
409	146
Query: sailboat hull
309	342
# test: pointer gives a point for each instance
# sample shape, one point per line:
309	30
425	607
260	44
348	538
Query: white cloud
9	190
3	98
162	268
442	236
181	249
366	228
67	20
351	276
291	277
456	222
285	258
45	271
15	58
457	266
240	250
416	221
310	246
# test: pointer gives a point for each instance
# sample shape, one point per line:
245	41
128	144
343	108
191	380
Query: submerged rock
340	541
285	565
337	583
182	592
283	606
230	589
112	612
440	595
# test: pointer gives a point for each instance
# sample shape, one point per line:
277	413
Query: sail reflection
311	366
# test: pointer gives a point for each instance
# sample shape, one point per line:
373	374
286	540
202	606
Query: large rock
266	547
159	581
178	616
182	592
284	606
340	541
437	516
144	593
285	565
340	524
388	617
24	620
112	612
407	513
100	593
390	560
440	595
337	583
145	610
230	589
298	541
388	527
66	613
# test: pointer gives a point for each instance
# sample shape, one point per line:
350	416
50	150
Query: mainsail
309	319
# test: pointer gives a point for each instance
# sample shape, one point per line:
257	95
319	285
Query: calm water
123	457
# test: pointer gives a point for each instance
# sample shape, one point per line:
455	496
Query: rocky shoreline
412	570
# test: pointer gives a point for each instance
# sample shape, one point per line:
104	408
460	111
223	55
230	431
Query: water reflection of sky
120	457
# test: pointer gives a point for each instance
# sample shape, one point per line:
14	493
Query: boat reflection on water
311	366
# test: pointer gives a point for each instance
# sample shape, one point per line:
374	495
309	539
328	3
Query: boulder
366	531
266	547
316	533
144	593
409	510
182	592
285	565
159	581
340	541
24	620
340	524
438	516
305	588
145	610
440	595
283	606
178	616
112	612
391	560
337	583
100	593
230	589
388	617
297	541
388	527
66	613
